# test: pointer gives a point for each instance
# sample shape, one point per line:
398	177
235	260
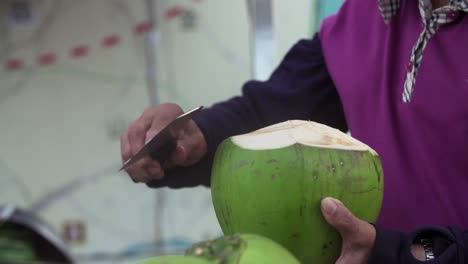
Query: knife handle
164	152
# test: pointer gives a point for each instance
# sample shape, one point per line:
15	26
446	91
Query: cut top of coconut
299	131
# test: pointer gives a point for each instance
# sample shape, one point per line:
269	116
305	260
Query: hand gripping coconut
271	181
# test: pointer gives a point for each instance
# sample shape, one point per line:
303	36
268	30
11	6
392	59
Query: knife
162	144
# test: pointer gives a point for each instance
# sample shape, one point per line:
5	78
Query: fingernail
329	206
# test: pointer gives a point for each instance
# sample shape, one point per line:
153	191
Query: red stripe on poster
173	12
110	41
14	64
79	51
47	59
143	27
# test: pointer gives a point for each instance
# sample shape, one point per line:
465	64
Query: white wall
293	20
60	123
212	62
56	122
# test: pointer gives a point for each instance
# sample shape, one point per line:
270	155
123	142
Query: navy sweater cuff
393	247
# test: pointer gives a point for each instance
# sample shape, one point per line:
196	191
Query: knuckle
135	179
171	105
180	155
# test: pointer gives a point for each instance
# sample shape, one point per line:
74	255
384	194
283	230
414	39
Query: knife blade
162	144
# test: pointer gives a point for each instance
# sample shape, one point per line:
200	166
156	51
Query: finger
136	172
137	135
339	216
125	150
152	131
126	153
178	156
355	232
154	168
147	170
136	139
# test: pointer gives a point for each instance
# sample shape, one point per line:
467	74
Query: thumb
358	236
179	155
186	153
337	215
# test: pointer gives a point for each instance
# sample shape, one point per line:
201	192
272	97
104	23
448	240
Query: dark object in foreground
24	238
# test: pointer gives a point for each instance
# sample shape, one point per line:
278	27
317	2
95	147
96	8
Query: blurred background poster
74	74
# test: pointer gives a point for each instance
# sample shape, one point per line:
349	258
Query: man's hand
191	144
358	236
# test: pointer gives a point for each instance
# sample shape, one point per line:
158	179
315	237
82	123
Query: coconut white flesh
299	132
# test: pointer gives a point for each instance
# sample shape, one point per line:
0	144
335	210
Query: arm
300	88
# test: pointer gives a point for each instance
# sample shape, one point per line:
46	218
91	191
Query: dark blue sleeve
393	247
299	88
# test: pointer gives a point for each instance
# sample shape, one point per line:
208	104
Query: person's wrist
418	252
200	137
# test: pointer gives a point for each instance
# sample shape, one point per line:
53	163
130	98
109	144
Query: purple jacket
358	86
422	142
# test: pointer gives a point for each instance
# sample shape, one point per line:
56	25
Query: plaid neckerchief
432	19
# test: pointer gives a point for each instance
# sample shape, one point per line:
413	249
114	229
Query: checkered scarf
432	19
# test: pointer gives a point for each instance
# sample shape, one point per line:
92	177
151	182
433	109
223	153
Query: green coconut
271	182
175	259
16	245
233	249
242	249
